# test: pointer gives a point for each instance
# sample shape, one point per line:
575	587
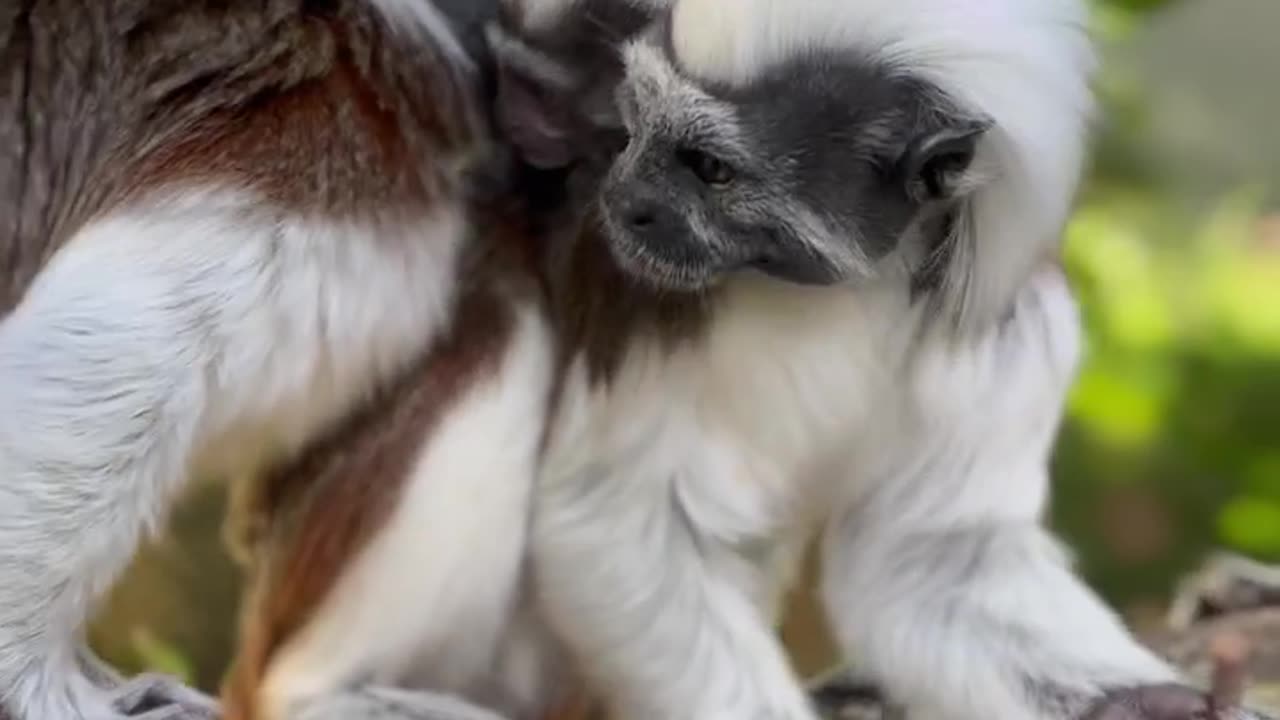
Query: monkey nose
642	219
640	214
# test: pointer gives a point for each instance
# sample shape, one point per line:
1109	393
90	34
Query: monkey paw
96	670
160	697
1162	702
845	696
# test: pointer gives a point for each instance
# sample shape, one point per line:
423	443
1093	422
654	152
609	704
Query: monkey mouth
690	272
677	266
659	272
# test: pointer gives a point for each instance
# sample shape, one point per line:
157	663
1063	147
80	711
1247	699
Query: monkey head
827	142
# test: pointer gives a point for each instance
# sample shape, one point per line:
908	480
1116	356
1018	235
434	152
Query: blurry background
1173	441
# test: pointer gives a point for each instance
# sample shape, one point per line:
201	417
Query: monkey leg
648	621
149	343
402	562
974	611
100	407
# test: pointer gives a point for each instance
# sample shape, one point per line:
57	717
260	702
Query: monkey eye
709	169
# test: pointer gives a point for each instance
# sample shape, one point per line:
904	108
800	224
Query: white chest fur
795	397
739	428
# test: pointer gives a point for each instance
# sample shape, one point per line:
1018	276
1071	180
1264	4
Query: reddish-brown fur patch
318	106
344	139
322	510
317	513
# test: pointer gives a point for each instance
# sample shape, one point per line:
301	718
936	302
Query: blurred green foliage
1172	441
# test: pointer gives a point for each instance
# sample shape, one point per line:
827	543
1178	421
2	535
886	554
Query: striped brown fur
315	103
318	526
313	517
310	519
315	514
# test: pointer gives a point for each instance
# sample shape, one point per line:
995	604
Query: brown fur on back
315	103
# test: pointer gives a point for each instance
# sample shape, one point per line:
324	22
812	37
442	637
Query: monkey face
814	171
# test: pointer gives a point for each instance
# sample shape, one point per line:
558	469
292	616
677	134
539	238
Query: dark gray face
811	173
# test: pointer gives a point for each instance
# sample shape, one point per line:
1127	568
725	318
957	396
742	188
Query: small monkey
828	301
224	224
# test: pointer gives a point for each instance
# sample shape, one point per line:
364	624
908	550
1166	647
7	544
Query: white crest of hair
422	17
1026	65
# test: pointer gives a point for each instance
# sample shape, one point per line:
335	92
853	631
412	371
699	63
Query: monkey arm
652	609
979	622
941	577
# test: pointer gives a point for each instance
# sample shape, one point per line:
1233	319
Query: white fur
703	472
200	331
415	17
443	572
1026	64
939	573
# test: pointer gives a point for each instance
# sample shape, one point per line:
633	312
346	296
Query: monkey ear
936	161
533	105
